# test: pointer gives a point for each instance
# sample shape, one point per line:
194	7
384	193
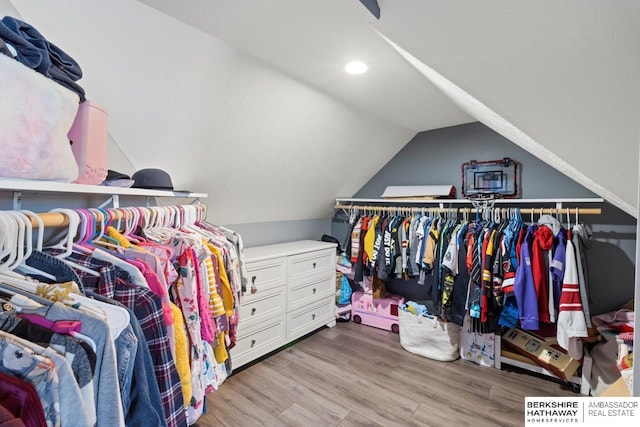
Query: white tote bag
429	336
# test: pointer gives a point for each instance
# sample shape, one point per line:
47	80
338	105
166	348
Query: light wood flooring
356	375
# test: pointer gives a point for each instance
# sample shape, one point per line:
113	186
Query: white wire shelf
65	187
552	201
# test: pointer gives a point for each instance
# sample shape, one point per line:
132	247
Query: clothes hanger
9	241
38	220
23	268
17	230
64	240
84	226
67	244
104	219
25	236
110	215
13	227
20	245
4	237
133	218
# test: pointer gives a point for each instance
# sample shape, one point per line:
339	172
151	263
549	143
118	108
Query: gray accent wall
435	157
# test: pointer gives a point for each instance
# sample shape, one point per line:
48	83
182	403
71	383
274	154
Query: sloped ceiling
312	41
246	100
562	73
263	145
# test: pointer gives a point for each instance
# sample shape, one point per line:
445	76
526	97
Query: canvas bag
429	336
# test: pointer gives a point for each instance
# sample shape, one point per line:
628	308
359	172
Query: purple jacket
557	266
524	288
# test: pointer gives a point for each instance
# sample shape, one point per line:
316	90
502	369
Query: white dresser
290	292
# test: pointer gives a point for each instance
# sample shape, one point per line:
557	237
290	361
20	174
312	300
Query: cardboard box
550	357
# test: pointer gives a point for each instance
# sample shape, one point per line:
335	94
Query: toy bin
88	139
380	312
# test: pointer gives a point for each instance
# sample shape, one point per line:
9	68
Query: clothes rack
58	219
550	211
498	210
158	281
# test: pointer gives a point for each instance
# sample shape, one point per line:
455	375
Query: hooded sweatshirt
581	238
524	288
542	244
554	265
571	320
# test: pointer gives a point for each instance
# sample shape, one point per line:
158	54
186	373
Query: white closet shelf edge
65	187
465	201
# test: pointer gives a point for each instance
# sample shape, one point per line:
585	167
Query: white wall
264	146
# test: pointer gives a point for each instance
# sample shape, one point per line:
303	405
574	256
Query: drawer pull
313	316
253	342
314	291
314	265
253	311
253	285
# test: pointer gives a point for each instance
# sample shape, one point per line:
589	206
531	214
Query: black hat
113	175
155	179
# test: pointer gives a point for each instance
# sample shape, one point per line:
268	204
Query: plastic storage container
88	139
380	313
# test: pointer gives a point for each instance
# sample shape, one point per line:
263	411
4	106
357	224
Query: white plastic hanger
9	241
27	269
21	266
67	244
22	252
38	220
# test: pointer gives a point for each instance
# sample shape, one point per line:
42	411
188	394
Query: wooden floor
356	375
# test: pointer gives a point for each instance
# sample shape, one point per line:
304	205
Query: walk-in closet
325	213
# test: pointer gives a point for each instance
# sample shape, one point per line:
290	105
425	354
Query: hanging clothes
110	318
498	269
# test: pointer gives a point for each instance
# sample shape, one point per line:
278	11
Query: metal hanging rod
57	219
535	211
467	201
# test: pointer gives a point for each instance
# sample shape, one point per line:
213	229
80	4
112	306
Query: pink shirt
156	286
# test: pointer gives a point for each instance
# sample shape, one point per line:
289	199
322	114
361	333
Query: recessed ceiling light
356	67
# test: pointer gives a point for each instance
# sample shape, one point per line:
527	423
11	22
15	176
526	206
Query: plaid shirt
147	308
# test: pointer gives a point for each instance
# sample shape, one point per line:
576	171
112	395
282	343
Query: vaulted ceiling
247	100
561	78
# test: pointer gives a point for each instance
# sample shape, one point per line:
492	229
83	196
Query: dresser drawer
306	292
263	306
255	342
307	319
263	275
311	264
